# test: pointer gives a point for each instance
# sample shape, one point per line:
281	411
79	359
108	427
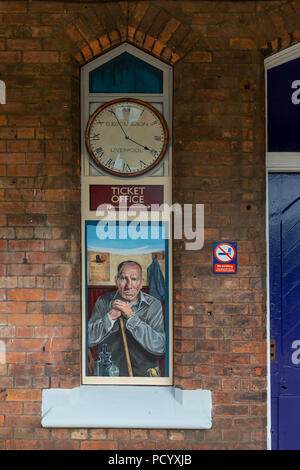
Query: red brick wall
217	50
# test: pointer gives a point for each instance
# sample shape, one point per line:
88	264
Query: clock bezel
140	172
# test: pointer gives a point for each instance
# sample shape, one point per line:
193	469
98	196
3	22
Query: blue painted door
284	262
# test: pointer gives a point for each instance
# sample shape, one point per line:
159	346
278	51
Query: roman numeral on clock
99	152
109	163
126	167
95	137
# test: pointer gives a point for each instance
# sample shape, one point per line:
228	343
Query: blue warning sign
225	258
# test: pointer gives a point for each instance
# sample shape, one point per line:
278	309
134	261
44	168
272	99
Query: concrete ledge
92	406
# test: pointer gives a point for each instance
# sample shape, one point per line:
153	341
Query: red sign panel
225	257
121	195
222	268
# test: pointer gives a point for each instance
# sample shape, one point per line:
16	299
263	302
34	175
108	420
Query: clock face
126	137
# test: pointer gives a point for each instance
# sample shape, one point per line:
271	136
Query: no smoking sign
225	258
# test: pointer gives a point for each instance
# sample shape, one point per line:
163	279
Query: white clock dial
126	137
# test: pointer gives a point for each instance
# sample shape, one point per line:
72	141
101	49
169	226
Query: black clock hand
119	123
141	145
128	138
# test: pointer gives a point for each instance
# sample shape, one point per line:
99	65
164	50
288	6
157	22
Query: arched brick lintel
115	38
277	28
85	40
281	43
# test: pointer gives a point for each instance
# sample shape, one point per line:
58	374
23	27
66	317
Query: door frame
276	162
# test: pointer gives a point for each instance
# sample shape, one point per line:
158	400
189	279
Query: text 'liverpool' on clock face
126	138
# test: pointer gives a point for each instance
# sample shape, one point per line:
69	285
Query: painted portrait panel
127	326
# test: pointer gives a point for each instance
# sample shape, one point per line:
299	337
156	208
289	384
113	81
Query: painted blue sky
127	246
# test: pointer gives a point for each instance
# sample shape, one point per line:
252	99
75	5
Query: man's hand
114	313
123	307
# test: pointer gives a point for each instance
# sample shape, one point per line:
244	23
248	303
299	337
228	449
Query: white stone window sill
105	406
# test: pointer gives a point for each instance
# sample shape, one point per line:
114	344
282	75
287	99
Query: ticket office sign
126	195
225	258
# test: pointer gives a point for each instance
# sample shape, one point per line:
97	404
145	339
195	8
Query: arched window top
126	74
2	92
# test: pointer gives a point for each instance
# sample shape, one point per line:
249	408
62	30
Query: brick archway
98	28
277	28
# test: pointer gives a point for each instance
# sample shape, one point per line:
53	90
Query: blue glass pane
126	74
283	110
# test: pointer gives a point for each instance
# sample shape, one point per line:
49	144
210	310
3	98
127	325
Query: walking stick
126	347
90	361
